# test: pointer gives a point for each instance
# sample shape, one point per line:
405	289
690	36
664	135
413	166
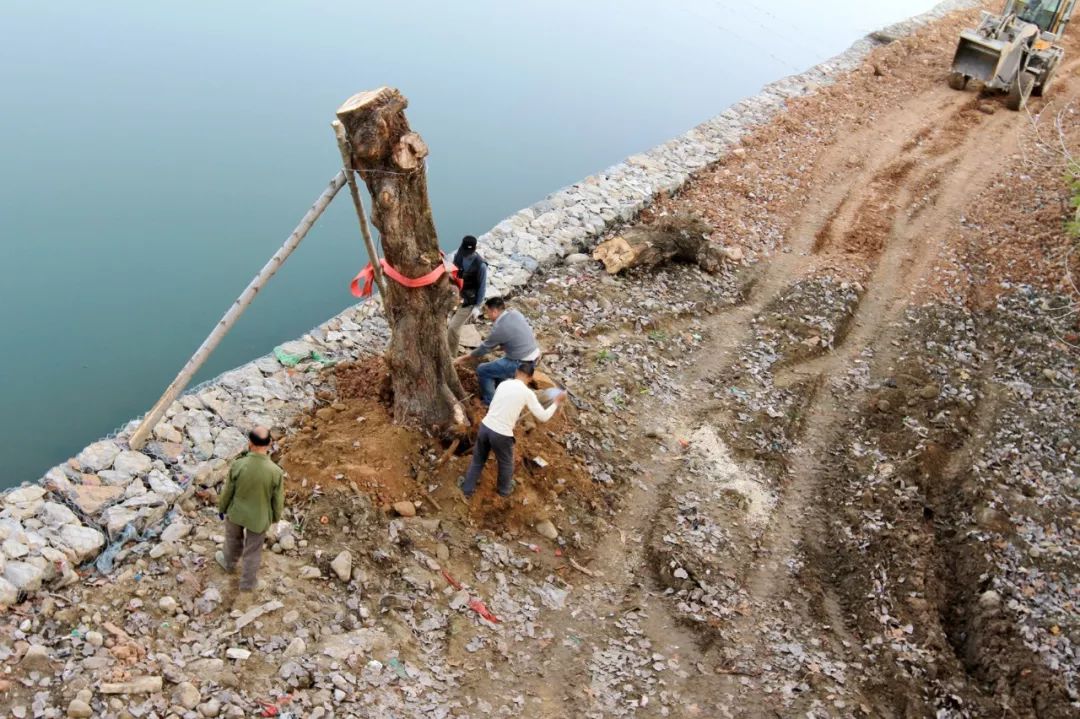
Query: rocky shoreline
110	501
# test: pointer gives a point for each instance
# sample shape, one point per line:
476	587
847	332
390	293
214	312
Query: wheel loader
1015	52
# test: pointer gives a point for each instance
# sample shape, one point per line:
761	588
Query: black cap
468	242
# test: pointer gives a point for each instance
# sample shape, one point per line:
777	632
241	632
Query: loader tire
1020	91
958	80
1043	86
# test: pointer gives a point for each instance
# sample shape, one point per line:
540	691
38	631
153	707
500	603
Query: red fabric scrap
480	608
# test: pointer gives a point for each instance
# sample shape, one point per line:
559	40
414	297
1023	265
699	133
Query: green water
153	155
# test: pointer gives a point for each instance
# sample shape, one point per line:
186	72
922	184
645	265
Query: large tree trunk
390	159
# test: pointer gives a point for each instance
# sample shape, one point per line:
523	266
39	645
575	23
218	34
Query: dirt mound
352	444
1027	202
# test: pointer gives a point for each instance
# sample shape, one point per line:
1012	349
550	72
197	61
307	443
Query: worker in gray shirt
511	331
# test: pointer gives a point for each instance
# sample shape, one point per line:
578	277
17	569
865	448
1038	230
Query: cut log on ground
681	238
390	159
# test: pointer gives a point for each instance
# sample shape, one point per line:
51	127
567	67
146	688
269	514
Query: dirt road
780	595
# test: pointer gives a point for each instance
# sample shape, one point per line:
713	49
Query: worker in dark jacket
253	498
472	270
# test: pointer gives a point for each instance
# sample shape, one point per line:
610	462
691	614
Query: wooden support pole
142	433
350	174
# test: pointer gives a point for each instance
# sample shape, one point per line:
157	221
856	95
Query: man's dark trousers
246	546
486	442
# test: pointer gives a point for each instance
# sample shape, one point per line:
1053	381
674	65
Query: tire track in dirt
903	182
864	159
951	167
565	683
835	207
896	210
926	192
956	166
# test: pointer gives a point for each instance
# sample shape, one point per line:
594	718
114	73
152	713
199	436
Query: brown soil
352	444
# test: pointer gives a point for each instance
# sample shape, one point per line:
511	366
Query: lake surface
154	155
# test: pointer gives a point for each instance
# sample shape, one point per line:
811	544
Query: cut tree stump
682	238
389	157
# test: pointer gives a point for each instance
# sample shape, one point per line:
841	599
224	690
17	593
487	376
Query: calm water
153	155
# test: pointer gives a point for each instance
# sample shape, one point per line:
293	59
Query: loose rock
296	648
78	709
36	659
132	463
547	530
187	695
230	443
405	509
176	531
210	709
98	456
342	565
138	685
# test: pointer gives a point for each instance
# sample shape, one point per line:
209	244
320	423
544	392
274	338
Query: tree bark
390	160
680	238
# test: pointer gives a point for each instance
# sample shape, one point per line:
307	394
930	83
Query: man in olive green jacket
252	500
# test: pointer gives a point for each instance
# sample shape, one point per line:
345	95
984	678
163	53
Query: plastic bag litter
104	562
291	360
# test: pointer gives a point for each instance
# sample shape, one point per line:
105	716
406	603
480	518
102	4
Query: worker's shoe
219	557
260	585
513	486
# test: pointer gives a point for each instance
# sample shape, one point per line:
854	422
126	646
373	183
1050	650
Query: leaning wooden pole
142	433
354	191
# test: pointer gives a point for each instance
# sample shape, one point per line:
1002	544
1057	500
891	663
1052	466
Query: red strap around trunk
363	284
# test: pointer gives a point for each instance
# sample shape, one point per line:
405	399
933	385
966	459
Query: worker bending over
497	429
511	331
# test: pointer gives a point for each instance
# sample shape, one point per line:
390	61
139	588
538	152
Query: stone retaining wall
111	494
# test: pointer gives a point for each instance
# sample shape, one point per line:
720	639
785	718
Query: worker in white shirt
497	429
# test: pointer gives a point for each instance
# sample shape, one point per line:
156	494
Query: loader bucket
978	57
